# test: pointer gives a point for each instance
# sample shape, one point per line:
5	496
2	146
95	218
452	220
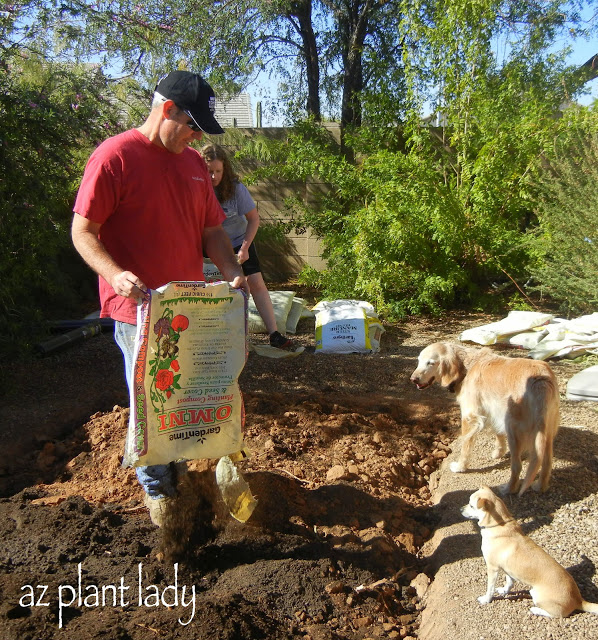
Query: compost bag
347	326
190	349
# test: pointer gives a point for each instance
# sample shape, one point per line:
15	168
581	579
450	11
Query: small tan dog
517	397
505	547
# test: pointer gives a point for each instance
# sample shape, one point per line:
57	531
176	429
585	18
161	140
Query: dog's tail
589	607
545	410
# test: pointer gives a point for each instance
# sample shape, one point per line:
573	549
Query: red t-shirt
153	206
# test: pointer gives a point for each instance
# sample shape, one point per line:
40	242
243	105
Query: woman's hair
226	189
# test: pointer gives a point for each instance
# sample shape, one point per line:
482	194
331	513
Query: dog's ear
487	508
451	367
482	504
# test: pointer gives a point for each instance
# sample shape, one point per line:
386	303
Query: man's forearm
95	255
88	244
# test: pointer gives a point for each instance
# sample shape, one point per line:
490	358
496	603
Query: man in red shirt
145	214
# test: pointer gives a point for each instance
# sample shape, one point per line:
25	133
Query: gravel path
564	521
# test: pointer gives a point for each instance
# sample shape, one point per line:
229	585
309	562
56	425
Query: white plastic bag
190	351
515	322
347	326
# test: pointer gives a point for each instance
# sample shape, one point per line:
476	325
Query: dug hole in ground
355	507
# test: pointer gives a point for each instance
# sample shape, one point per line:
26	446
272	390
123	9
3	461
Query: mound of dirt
342	451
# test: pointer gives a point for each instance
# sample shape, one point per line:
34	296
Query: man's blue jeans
158	480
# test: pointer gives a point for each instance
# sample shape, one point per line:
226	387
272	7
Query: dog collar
498	524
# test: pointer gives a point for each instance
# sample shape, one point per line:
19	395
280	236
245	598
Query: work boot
167	507
159	508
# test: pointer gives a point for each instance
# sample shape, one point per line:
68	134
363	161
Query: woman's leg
262	300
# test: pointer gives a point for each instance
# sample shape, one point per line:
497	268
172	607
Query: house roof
234	111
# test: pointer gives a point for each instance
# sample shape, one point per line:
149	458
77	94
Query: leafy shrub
400	227
51	115
567	242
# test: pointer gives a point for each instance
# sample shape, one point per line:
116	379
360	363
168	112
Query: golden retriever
506	548
518	398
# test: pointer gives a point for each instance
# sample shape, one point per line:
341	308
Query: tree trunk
302	11
353	27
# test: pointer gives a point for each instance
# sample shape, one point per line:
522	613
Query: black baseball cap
191	93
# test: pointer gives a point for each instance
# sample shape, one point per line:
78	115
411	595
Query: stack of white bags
547	337
543	334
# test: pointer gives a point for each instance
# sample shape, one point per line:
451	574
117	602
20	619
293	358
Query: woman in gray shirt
242	221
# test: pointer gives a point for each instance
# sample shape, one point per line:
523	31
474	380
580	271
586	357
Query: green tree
345	52
421	223
353	64
51	114
566	240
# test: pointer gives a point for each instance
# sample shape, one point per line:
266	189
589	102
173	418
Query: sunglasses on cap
192	124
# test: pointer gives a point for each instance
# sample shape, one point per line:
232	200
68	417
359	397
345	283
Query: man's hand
128	285
240	282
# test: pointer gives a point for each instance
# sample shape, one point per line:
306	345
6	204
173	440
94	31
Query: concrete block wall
301	246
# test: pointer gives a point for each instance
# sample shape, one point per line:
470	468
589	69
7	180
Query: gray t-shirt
235	209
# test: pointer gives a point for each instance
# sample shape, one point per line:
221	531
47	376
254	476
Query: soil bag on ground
514	324
190	350
288	309
347	326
